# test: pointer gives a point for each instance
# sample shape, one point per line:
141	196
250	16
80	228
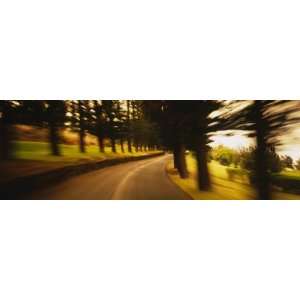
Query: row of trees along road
189	125
115	120
176	125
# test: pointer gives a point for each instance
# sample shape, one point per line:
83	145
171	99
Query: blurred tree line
114	120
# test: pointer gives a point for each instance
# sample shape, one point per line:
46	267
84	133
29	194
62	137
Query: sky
238	140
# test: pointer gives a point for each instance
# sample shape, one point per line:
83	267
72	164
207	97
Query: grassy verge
40	151
224	187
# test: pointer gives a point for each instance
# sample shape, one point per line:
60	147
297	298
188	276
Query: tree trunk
175	157
204	182
262	178
182	166
5	141
180	160
54	138
101	143
129	142
82	141
81	129
113	145
122	145
129	145
99	128
55	116
6	132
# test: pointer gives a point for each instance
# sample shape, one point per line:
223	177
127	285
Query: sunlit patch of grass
295	173
40	151
222	187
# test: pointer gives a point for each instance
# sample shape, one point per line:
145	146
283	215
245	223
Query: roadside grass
291	173
40	151
224	187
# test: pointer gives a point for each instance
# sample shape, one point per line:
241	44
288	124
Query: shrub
225	156
248	160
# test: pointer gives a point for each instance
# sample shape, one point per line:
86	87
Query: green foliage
248	156
226	156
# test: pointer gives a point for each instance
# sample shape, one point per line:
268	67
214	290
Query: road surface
140	180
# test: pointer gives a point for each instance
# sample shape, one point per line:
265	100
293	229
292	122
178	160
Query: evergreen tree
110	109
100	124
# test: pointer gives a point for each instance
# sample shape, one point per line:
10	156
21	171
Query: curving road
140	180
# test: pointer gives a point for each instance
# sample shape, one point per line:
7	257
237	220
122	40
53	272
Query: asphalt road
140	180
